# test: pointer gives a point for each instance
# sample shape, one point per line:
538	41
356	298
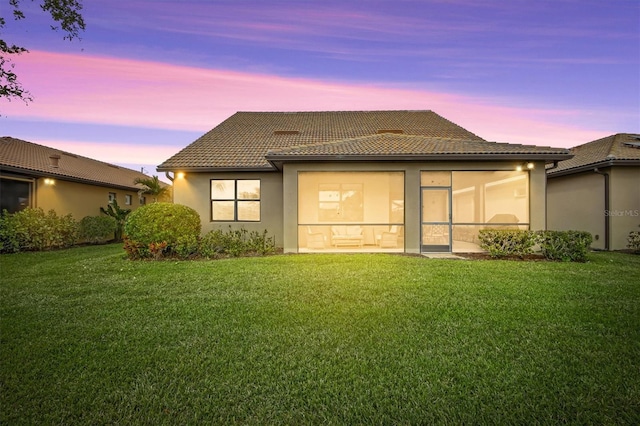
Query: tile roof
243	140
390	146
621	148
26	157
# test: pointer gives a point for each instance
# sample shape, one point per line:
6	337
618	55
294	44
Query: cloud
105	90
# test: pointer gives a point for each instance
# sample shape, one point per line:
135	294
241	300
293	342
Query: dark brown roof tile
390	145
618	147
243	140
27	157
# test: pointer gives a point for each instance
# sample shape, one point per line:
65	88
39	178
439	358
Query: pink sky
148	78
105	90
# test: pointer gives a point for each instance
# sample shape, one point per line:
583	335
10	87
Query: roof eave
41	174
549	158
589	167
209	169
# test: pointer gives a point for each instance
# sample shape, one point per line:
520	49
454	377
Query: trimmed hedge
633	241
565	246
97	229
236	242
161	229
33	229
507	242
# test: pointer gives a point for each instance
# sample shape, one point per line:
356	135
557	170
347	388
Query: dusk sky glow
149	77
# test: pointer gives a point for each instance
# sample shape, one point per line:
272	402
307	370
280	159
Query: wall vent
54	160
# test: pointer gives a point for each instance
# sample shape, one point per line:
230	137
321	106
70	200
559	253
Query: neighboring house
399	181
33	175
598	191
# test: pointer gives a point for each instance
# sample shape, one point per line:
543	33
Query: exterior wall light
529	165
180	175
49	181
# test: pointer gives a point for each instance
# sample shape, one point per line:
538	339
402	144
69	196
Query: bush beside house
236	242
634	241
33	229
565	246
501	243
162	229
97	229
554	245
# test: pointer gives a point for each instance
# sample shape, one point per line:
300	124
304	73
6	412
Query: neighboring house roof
244	139
394	147
24	157
618	149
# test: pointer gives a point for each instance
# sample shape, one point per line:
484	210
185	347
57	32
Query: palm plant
154	187
119	214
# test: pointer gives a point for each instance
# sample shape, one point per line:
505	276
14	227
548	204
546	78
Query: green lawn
88	337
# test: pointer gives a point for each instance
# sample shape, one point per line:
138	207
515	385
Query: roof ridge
419	139
336	111
71	154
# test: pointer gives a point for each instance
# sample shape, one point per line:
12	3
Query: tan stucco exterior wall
537	184
577	202
279	196
79	199
624	206
194	190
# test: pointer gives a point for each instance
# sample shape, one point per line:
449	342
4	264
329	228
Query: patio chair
315	240
389	239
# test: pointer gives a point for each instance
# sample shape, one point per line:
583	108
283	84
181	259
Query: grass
89	337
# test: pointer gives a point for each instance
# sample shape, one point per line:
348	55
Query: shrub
154	224
565	246
33	230
236	242
187	246
507	242
212	244
97	229
633	241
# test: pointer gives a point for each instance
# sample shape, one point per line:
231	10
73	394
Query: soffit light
528	165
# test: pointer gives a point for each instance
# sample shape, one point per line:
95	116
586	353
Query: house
598	190
33	175
389	181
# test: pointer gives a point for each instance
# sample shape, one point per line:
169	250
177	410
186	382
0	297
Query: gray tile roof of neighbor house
618	149
254	140
19	156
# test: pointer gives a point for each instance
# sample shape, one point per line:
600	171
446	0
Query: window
112	197
344	211
127	200
487	199
15	195
342	202
235	200
143	201
490	197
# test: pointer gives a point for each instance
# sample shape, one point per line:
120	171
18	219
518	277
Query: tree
67	17
153	186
